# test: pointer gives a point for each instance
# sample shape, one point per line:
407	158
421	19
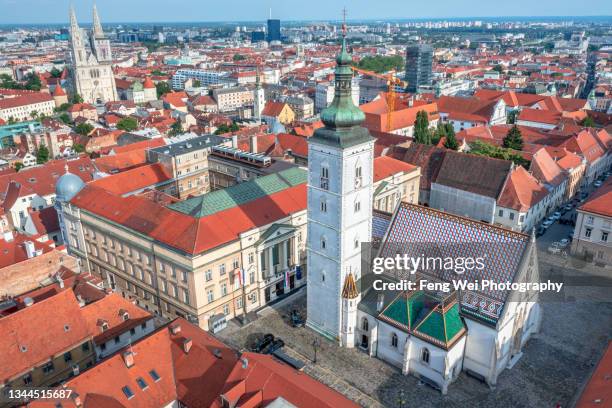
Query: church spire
97	26
74	25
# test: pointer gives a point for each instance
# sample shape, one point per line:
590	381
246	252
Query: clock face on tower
357	182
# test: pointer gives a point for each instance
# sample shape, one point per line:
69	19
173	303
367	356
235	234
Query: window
142	383
356	243
323	206
511	215
522	218
425	356
323	243
324	178
394	340
358	172
132	331
85	347
357	206
235	263
222	269
127	391
604	237
590	219
117	339
27	379
251	258
365	325
154	375
226	309
48	368
143	326
103	346
210	295
208	275
68	356
185	296
223	289
501	213
587	232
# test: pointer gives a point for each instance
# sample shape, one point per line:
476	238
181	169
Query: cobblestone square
552	369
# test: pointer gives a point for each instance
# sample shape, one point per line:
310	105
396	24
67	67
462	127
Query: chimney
8	236
217	353
76	398
28	301
175	329
245	362
187	343
253	143
30	249
128	358
60	281
380	302
235	141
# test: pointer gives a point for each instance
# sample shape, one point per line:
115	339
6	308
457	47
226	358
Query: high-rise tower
419	60
91	62
340	171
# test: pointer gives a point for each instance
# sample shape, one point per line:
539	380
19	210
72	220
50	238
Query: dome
68	186
277	128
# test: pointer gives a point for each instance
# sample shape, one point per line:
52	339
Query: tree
238	57
511	118
514	139
78	148
6	81
84	129
234	127
421	129
221	129
498	68
587	122
485	149
18	166
42	155
162	88
451	140
63	107
12	120
33	82
128	124
380	63
56	73
176	128
196	83
65	118
76	98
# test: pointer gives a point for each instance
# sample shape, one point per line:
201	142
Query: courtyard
576	327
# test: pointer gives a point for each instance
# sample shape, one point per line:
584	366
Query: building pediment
276	232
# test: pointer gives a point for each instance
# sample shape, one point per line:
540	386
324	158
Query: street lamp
315	345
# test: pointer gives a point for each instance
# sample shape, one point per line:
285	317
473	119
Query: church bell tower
340	177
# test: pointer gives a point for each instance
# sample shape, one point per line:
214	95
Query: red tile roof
601	202
12	252
273	109
472	109
148	83
522	191
539	116
545	168
45	220
386	166
598	392
133	180
23	98
110	310
31	335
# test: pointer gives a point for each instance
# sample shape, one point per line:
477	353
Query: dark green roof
422	313
213	202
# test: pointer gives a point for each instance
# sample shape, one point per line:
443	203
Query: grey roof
190	145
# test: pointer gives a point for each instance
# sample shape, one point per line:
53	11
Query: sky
56	11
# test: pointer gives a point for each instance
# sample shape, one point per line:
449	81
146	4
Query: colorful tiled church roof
425	316
414	229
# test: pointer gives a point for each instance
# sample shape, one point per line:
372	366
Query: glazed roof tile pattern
414	229
239	194
380	224
425	316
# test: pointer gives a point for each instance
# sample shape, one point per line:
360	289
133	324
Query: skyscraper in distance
274	33
419	60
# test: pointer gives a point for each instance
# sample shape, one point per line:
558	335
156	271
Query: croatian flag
241	277
287	278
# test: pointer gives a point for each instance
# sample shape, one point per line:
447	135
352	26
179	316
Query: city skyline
189	11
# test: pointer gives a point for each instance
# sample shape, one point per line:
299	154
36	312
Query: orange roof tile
522	191
386	166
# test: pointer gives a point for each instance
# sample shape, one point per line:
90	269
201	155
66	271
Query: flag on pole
286	278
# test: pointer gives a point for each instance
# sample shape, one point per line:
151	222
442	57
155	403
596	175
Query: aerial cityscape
279	204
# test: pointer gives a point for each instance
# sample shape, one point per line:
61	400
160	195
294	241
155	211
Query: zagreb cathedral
91	62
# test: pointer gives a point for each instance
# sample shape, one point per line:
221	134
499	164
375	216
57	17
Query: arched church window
365	325
425	355
394	340
324	205
324	177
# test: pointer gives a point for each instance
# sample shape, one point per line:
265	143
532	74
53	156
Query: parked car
568	207
564	242
597	184
547	222
541	230
272	347
296	319
262	343
556	215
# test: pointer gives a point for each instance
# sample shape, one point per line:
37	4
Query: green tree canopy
56	73
18	166
42	155
422	134
514	139
65	118
238	57
176	128
451	139
78	148
588	122
162	88
381	63
486	149
83	129
128	124
76	98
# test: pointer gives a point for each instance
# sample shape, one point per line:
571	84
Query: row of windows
603	237
365	326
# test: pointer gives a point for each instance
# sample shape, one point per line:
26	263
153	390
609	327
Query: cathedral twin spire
75	30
